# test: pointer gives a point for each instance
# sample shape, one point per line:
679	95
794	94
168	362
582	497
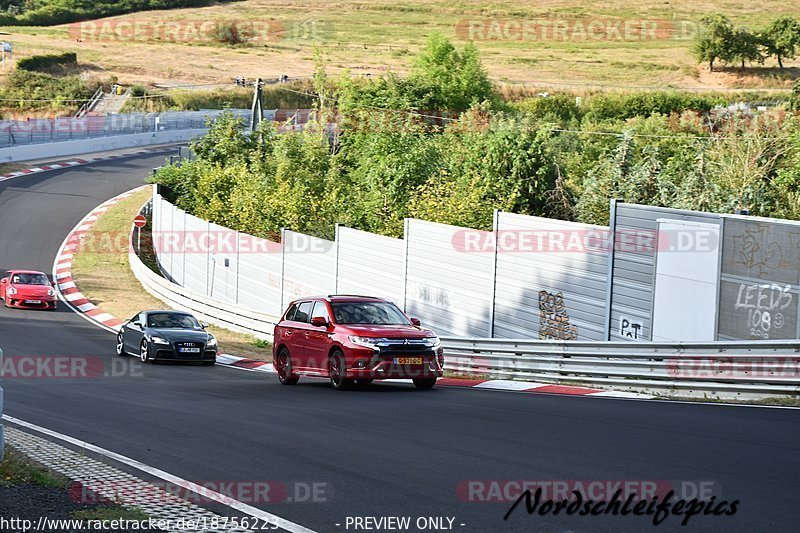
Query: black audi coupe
167	335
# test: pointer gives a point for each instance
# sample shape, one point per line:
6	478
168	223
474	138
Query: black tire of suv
337	358
424	383
285	375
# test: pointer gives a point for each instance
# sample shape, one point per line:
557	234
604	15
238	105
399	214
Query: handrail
88	106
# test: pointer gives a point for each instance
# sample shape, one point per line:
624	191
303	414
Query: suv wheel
424	383
336	370
285	375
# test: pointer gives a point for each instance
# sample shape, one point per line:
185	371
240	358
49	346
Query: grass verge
103	274
16	469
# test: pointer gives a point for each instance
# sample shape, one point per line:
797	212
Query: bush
48	63
624	106
53	12
56	93
138	91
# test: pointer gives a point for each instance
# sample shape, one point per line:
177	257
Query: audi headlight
12	290
160	340
212	342
368	342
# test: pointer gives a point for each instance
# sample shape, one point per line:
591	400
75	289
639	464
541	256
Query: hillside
551	43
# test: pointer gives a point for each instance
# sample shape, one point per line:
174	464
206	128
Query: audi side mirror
319	322
416	321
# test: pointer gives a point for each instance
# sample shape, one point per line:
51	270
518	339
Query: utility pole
257	110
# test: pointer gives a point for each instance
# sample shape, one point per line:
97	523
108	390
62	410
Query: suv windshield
172	320
378	313
30	279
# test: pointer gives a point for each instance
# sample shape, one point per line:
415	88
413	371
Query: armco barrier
736	369
724	370
222	314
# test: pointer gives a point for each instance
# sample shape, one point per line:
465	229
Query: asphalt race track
382	450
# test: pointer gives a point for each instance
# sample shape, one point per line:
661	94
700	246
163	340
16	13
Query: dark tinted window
30	279
172	320
303	312
290	313
378	313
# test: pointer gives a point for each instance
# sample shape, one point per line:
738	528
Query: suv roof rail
352	296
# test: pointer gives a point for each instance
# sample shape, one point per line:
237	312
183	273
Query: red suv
354	339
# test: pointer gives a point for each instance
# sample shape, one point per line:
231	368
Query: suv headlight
12	290
368	342
432	342
160	340
212	342
51	292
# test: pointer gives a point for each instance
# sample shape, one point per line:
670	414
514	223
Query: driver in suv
354	339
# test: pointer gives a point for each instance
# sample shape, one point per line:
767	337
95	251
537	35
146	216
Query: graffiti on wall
629	328
757	252
765	304
759	277
553	318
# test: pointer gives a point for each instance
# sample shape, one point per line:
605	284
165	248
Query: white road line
188	485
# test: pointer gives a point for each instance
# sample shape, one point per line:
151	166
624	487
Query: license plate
33	301
189	350
408	360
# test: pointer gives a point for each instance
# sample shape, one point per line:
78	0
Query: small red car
28	288
354	339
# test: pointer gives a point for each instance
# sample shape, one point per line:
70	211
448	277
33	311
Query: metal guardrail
230	316
722	369
46	130
740	369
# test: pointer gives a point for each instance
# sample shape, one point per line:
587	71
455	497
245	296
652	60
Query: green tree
782	38
456	80
714	39
745	47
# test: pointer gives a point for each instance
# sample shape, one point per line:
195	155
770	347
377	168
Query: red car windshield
375	313
30	279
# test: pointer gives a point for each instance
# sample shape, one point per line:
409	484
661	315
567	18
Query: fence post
610	281
336	269
496	230
405	264
283	261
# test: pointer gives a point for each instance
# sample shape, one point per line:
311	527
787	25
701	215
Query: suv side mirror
416	321
136	323
319	322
